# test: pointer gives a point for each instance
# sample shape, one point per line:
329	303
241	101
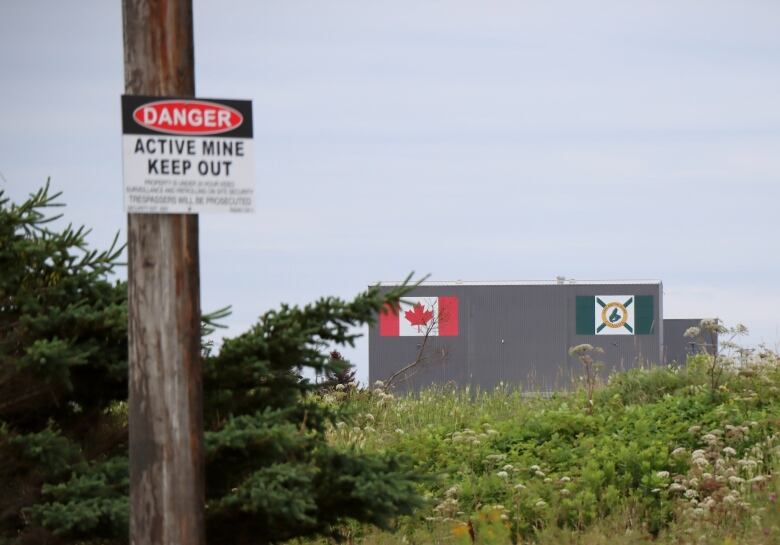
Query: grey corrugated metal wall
677	347
515	333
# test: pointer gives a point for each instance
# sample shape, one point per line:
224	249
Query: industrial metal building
480	334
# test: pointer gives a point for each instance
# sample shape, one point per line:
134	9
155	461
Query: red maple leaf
418	315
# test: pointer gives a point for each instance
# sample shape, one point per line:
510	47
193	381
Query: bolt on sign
186	155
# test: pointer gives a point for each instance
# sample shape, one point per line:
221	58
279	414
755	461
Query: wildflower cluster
468	437
355	435
448	508
719	481
383	396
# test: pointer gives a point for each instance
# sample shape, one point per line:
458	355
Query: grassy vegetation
662	457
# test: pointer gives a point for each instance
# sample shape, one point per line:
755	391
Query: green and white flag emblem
615	315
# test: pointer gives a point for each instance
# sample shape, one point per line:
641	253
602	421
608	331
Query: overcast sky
469	140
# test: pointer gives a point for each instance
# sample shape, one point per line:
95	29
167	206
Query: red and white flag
420	316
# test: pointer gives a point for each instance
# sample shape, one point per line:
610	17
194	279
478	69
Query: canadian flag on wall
418	316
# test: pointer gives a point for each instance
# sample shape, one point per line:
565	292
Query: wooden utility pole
165	377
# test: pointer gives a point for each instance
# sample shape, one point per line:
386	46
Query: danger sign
186	155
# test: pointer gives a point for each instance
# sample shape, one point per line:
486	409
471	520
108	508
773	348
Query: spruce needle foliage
63	371
270	473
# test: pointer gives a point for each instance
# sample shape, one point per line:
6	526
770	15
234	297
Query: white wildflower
493	458
540	504
503	474
700	462
709	438
728	451
662	474
747	464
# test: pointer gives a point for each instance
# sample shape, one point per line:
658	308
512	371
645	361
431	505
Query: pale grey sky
469	140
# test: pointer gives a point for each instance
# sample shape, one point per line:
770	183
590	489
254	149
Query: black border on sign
131	102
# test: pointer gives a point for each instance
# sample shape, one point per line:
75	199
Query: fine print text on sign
186	155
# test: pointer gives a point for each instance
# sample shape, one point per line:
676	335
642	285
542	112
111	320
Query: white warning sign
186	155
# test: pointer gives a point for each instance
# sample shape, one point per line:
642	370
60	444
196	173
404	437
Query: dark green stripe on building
586	310
644	322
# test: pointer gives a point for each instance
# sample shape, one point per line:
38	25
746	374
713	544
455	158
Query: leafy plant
341	376
709	337
584	352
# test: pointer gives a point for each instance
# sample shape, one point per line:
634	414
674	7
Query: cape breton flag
615	315
418	316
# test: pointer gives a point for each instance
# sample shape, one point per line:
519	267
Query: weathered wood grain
165	375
